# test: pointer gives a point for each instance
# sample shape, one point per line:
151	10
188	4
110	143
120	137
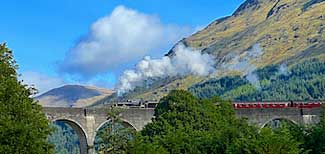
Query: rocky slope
73	96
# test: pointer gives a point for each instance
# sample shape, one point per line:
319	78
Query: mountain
285	29
279	32
73	96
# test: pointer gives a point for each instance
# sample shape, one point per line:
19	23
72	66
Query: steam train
236	105
289	104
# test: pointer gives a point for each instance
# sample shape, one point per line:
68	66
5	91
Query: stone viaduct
87	121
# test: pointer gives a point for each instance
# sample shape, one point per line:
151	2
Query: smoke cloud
283	69
243	63
254	80
186	61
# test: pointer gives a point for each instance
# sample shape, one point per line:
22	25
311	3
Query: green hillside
304	81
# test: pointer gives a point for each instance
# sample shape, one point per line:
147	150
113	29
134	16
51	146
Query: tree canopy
23	126
303	81
185	124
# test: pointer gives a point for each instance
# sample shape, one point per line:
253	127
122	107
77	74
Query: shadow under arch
292	122
125	123
79	131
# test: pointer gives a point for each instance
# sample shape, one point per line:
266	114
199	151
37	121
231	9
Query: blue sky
46	35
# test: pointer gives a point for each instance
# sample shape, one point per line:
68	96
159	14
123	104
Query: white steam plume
243	63
185	62
283	69
253	79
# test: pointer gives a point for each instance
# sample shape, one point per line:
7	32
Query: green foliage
315	137
304	81
215	87
64	138
114	135
279	141
185	124
270	141
23	126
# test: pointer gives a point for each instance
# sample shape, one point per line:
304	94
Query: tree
278	141
113	137
23	126
185	124
303	81
315	138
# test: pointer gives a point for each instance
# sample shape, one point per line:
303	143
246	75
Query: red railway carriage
291	104
239	105
308	105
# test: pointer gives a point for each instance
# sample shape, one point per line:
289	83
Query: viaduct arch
125	123
79	131
282	119
87	121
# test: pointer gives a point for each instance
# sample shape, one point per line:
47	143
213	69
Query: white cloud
123	36
41	82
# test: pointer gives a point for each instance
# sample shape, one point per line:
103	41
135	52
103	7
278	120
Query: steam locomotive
288	104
